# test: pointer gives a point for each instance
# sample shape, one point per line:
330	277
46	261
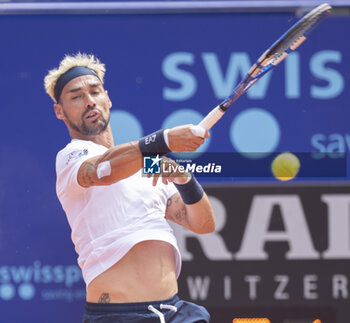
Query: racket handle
212	117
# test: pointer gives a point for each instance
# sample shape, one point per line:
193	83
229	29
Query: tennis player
126	249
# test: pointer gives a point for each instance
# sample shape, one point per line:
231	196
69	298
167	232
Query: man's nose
90	102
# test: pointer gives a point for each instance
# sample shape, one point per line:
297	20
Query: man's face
84	106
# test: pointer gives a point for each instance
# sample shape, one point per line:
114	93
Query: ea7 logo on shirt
151	165
76	154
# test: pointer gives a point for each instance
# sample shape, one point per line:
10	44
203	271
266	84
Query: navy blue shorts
172	310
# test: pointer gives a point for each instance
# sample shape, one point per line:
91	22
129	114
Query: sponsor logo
41	281
75	155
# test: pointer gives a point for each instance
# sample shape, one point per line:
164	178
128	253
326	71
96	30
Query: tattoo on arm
104	298
178	212
181	214
85	176
168	213
89	169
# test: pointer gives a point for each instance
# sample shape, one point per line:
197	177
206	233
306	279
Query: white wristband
166	137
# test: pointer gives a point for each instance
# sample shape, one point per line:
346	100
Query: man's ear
109	100
59	111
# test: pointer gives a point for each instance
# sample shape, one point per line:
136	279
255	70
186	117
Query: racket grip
212	117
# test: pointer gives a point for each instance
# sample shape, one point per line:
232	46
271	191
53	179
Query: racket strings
288	42
275	54
291	40
294	37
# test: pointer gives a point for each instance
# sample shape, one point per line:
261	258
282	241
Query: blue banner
162	71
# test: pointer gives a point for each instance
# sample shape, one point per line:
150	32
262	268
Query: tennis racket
287	43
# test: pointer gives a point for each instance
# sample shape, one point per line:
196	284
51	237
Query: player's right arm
119	162
124	160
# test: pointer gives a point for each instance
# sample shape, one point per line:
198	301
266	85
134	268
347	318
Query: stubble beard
93	129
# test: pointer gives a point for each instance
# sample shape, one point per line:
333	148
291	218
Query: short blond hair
68	62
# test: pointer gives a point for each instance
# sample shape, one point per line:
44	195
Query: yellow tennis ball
285	166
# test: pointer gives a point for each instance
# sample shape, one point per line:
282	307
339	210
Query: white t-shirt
107	221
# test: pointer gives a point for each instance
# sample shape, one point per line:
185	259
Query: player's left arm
190	207
198	217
